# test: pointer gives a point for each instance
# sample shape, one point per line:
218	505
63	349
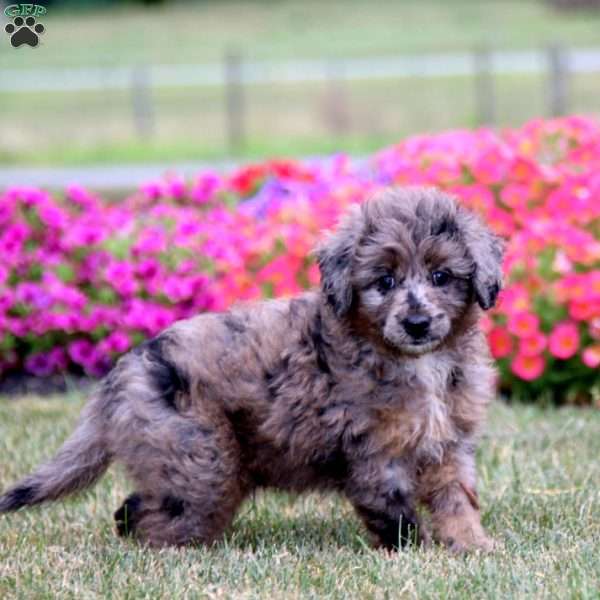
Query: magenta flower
3	276
33	294
176	187
206	187
148	268
152	189
39	364
81	197
117	342
58	359
81	352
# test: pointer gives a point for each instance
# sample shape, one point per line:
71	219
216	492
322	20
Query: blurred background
162	84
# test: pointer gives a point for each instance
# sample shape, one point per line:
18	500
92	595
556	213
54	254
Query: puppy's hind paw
127	515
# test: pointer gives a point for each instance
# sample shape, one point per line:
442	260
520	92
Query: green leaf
65	273
7	342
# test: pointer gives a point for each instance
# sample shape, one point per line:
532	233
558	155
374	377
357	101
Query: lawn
540	477
189	123
280	120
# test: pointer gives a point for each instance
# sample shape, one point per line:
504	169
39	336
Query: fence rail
580	60
236	72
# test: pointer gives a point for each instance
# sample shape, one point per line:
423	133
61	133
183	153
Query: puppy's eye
440	278
386	283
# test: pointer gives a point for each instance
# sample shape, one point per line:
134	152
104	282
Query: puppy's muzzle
417	326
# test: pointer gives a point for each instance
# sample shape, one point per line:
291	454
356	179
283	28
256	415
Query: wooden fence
235	74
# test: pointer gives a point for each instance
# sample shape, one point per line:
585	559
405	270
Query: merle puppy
376	385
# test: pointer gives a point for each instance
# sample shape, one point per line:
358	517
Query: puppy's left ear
335	256
487	251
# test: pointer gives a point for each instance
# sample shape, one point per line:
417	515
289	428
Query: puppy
376	386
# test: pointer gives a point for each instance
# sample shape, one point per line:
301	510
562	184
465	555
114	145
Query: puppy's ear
335	257
486	250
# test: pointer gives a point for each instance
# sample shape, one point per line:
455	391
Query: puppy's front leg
381	493
448	490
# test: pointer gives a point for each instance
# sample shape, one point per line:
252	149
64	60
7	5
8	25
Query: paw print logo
24	31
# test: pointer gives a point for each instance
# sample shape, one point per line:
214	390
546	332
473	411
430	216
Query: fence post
336	108
234	101
485	96
143	107
558	72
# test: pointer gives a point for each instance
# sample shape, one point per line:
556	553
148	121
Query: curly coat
376	386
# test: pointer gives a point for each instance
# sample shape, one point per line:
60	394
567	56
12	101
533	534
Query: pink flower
205	188
3	275
153	189
490	167
53	216
83	235
120	275
78	194
13	238
533	345
523	324
7	209
33	294
528	368
117	342
177	288
591	356
476	196
515	196
594	326
500	342
515	299
176	187
148	268
151	241
564	340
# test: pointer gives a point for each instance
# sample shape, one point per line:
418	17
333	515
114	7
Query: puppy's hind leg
189	484
181	452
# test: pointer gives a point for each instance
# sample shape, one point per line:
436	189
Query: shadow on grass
296	533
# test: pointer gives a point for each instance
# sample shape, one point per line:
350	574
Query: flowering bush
82	279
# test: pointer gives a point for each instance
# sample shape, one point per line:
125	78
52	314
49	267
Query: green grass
292	120
539	475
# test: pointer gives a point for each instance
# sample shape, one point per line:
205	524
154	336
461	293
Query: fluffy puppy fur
375	386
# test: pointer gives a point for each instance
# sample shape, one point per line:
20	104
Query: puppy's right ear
335	256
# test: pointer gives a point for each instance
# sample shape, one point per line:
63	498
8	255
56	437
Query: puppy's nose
417	326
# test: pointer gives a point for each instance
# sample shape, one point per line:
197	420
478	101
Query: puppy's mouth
415	347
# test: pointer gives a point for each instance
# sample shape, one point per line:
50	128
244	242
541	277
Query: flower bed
82	279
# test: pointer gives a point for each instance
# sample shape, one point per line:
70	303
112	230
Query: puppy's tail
83	458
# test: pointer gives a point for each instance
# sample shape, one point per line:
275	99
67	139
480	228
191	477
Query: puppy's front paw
473	541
